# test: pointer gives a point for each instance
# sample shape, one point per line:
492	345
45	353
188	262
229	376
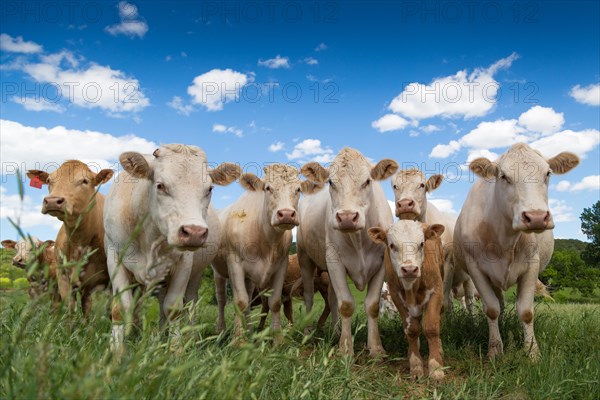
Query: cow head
350	177
180	188
26	249
410	192
71	189
409	243
520	178
282	187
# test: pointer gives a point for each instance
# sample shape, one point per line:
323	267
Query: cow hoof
377	352
416	372
534	353
308	331
436	374
495	351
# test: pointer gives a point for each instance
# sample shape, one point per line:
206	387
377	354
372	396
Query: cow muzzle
53	205
347	220
18	263
405	209
409	271
191	237
286	218
536	221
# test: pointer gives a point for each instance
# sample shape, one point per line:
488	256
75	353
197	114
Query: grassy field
56	355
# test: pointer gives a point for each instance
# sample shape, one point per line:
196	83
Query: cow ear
434	230
484	168
41	175
103	176
377	234
9	244
310	187
434	182
136	165
251	182
225	173
563	163
315	172
384	169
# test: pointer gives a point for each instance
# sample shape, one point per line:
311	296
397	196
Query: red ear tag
36	183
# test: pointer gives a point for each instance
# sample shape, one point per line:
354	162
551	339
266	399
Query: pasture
57	355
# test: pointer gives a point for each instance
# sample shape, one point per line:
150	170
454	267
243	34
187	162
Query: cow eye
268	189
298	190
161	187
504	178
367	183
422	185
395	187
85	181
210	189
330	183
392	246
422	244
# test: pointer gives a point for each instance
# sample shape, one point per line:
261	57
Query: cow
161	228
73	198
332	236
410	192
38	259
292	287
386	305
255	240
413	258
504	234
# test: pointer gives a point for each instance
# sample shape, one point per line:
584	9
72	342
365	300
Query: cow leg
86	302
288	310
448	279
275	298
491	307
431	330
469	290
264	312
221	294
372	310
240	296
307	271
345	301
411	331
191	292
173	302
122	304
525	293
65	289
332	302
326	310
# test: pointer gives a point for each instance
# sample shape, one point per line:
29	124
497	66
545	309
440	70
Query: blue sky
432	84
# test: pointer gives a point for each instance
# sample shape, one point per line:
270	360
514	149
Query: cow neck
88	223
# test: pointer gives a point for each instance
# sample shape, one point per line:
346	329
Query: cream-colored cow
410	192
504	232
159	224
256	238
333	236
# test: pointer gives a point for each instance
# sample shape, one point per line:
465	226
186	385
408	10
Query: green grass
45	354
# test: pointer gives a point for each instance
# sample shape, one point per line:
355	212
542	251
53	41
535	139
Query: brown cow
412	260
292	287
32	252
74	199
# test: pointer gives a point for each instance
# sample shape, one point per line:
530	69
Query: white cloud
473	154
274	63
220	128
39	104
445	150
18	45
430	128
217	87
321	47
589	95
182	108
444	205
389	122
580	142
25	213
542	120
591	182
459	95
311	150
490	135
561	212
274	147
130	25
28	147
94	86
311	61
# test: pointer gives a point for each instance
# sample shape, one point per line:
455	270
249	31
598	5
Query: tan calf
412	262
37	258
74	199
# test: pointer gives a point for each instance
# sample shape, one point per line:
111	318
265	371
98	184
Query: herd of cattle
157	230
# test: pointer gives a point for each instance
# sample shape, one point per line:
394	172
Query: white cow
504	232
410	192
256	238
333	236
156	215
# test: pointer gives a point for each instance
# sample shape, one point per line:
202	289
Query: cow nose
286	216
536	220
409	270
347	219
192	235
405	205
53	203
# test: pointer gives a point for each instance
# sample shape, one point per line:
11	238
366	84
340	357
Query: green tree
590	226
567	269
